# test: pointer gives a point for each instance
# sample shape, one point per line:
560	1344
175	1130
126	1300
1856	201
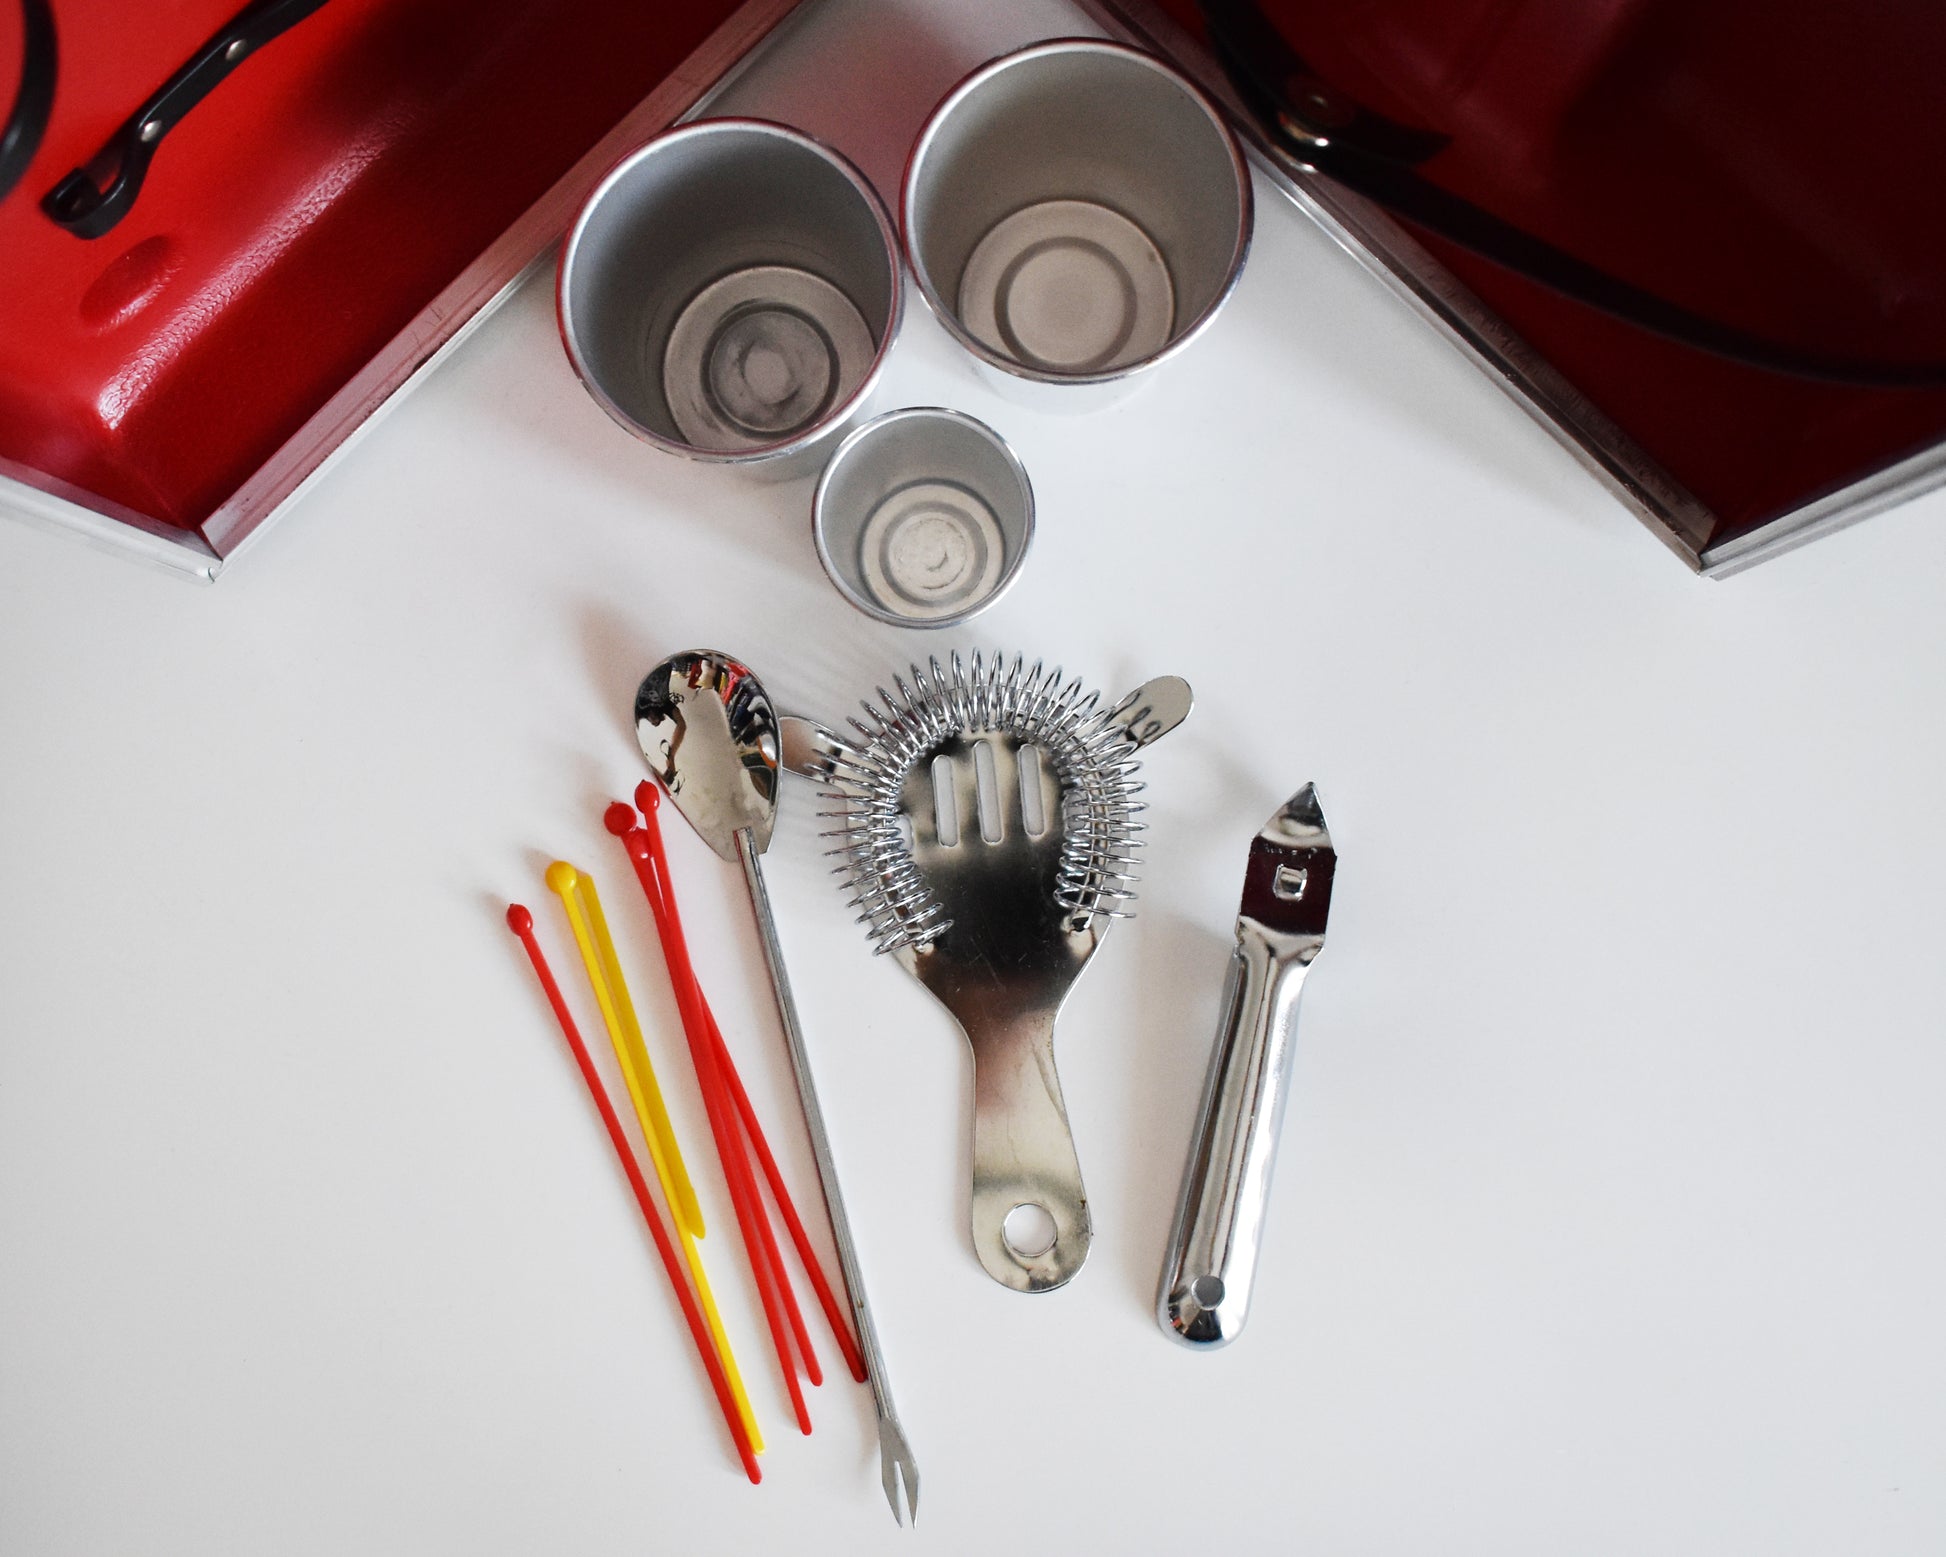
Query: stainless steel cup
729	292
922	517
1075	214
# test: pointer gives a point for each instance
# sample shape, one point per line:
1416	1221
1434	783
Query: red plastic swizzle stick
643	846
521	922
807	1256
766	1265
651	864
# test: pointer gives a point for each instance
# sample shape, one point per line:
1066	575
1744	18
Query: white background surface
1608	1218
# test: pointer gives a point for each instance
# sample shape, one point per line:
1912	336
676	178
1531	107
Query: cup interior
1076	209
729	288
922	517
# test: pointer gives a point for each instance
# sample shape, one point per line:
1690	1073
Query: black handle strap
91	200
1373	157
20	137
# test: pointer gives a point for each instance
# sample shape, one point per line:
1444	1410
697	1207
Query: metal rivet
152	131
1303	134
236	50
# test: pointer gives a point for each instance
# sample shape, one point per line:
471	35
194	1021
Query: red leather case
310	232
1775	167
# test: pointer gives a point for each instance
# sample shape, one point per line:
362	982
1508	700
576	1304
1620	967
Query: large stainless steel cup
729	293
1075	214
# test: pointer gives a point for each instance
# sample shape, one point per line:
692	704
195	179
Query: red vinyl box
1773	170
360	188
347	197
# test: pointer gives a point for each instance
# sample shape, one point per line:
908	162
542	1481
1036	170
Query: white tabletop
1608	1217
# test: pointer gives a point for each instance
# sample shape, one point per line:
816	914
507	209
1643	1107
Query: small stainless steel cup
922	517
730	291
1075	214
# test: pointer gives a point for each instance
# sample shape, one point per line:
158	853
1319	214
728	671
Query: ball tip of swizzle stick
561	877
621	820
641	841
519	920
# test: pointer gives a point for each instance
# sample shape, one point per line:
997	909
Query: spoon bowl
710	735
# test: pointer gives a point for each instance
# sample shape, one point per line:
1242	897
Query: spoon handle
834	1204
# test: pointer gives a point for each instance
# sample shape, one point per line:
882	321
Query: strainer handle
1023	1156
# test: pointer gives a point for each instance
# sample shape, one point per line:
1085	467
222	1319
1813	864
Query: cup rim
838	413
864	602
947	316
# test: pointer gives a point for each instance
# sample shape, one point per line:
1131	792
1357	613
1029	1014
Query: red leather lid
292	224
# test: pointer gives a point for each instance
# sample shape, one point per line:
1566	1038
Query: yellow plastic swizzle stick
591	938
656	1124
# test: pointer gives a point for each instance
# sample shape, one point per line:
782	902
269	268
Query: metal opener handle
1212	1259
